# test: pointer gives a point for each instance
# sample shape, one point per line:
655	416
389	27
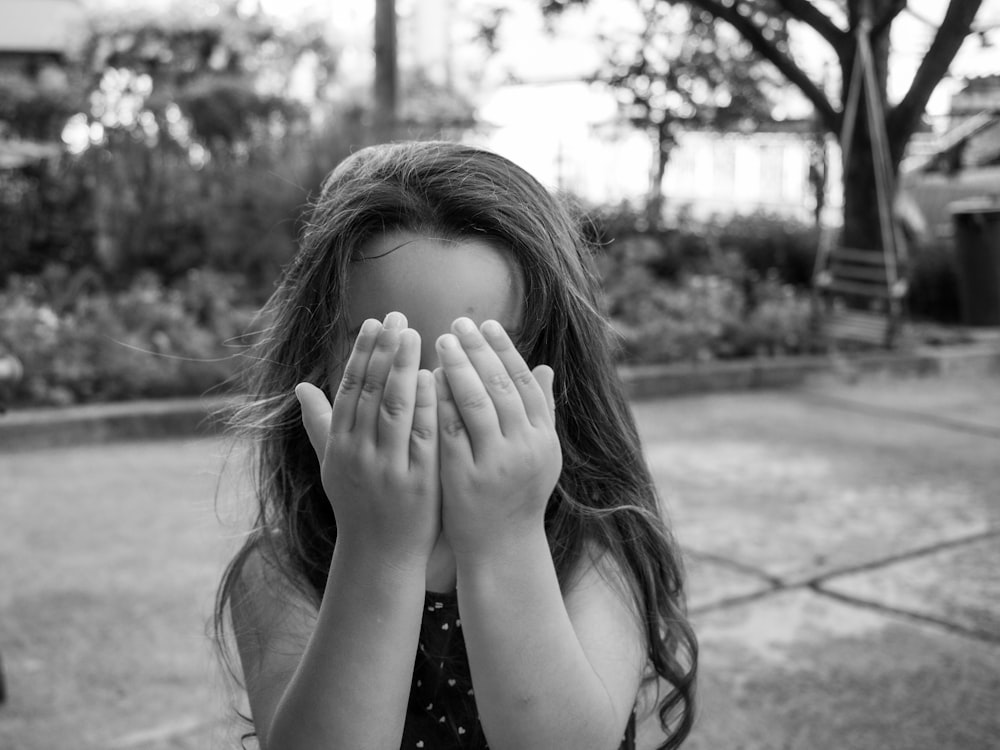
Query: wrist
379	562
504	551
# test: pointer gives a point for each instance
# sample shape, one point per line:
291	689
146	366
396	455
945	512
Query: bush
723	310
771	245
765	245
47	215
145	341
129	207
170	320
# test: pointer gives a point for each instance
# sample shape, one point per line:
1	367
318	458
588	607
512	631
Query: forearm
352	684
534	686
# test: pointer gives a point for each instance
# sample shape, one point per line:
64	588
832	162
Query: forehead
433	281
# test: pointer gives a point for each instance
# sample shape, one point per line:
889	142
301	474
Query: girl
465	549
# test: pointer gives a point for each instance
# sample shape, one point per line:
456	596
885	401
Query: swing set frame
859	293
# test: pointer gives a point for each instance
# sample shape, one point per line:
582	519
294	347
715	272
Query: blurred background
733	162
156	159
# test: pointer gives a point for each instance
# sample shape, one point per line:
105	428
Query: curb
31	429
54	427
651	381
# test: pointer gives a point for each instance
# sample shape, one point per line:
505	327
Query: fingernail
464	325
492	328
395	321
408	337
369	327
448	341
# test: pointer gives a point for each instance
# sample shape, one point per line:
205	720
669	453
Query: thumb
316	412
546	378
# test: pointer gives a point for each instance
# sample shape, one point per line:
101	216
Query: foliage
185	152
771	246
46	216
839	25
763	244
682	70
147	340
127	262
699	292
228	72
724	289
130	207
36	110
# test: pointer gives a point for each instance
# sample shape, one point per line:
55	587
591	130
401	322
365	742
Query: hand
500	454
378	445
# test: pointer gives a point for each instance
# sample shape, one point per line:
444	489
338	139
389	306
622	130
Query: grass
108	568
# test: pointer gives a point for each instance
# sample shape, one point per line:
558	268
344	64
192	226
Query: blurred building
979	94
775	169
35	35
35	38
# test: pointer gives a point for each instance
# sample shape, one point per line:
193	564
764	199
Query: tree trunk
861	214
861	204
385	70
663	143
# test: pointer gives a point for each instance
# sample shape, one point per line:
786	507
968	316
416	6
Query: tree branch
883	23
785	65
904	117
806	12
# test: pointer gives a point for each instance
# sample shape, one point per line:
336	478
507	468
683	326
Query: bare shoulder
266	606
599	575
273	620
601	602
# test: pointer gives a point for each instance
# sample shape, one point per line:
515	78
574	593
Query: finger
546	380
345	403
532	394
424	432
395	414
316	413
373	383
452	435
493	373
468	393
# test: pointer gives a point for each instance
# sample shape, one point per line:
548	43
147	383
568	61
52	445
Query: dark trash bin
977	251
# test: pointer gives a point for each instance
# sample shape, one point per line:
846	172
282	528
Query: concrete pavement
843	545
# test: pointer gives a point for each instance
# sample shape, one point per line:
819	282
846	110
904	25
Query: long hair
605	495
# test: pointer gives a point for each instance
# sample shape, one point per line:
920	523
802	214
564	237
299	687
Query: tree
185	147
226	72
684	72
838	23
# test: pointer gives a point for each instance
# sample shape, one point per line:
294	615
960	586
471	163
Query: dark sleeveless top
442	714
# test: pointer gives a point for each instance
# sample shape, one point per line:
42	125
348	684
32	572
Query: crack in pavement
776	584
904	556
735	565
953	627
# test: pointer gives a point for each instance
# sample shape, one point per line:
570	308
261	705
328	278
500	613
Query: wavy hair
605	495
